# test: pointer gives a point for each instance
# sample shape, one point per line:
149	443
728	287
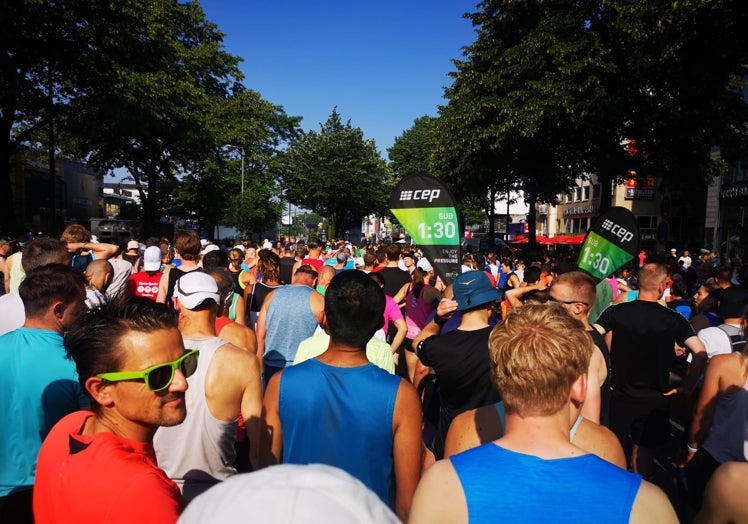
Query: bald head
651	276
99	274
326	275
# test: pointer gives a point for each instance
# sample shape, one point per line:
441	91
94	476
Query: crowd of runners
176	379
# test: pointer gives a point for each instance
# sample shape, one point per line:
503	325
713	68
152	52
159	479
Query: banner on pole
425	207
611	242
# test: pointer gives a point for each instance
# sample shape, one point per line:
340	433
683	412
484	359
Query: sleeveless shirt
199	452
500	484
341	417
728	435
289	321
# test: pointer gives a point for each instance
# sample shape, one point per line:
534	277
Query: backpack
737	341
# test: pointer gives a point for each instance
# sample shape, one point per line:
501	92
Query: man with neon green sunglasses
99	465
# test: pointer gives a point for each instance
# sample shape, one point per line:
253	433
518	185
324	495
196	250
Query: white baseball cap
194	288
290	494
152	259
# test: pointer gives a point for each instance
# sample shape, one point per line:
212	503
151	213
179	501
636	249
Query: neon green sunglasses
159	377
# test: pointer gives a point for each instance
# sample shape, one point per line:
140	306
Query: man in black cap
460	358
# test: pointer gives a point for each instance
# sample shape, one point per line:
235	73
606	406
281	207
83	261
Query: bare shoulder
439	496
472	428
233	357
652	506
599	440
407	397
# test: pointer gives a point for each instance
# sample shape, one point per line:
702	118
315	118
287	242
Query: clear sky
383	63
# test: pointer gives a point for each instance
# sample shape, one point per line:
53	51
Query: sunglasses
308	270
159	377
567	302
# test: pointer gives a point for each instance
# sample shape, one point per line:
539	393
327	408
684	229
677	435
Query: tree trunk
8	220
531	198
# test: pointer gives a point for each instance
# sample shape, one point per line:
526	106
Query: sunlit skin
130	409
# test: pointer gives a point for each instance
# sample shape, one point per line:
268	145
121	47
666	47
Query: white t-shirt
716	341
12	313
686	261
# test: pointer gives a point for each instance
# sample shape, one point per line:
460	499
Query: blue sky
382	63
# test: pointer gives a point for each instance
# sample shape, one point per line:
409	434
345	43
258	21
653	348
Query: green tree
255	132
165	76
412	151
551	91
38	45
337	173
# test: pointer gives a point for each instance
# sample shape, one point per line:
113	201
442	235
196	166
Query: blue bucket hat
472	289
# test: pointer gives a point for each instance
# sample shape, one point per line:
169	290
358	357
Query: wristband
440	321
690	449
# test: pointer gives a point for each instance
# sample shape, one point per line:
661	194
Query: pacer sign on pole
426	209
611	242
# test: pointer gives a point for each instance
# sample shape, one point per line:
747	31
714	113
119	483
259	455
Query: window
647	222
586	193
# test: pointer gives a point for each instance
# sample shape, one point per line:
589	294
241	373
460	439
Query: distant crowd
176	379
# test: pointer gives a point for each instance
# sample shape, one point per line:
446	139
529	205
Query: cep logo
420	194
624	234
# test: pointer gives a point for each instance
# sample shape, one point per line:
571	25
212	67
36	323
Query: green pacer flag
611	242
426	209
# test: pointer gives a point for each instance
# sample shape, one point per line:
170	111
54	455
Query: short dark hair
224	281
532	274
43	251
46	284
354	308
392	251
187	244
93	341
313	242
217	258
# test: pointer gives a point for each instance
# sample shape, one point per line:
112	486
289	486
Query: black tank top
174	275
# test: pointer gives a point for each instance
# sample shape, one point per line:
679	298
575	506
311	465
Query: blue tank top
502	484
288	322
341	417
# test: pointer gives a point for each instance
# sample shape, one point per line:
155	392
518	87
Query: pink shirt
391	311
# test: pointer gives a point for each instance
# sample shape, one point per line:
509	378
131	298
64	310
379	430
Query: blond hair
537	353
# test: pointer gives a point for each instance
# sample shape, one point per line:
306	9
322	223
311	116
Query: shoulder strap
737	340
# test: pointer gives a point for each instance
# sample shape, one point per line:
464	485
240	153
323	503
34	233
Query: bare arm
401	294
698	361
163	286
252	409
271	432
261	330
101	250
407	447
402	330
445	309
241	311
6	267
596	375
704	409
515	295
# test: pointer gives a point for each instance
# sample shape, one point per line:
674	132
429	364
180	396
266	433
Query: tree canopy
412	151
337	173
144	84
551	91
